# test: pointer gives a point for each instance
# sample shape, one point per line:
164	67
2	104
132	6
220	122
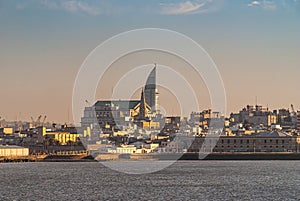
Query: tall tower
150	90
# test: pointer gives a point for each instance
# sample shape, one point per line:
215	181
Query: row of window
270	146
242	141
246	141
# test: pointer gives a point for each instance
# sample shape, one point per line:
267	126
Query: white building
13	151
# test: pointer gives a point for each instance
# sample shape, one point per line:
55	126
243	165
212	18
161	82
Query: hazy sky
255	44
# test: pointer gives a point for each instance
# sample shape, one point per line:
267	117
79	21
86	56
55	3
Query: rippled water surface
184	180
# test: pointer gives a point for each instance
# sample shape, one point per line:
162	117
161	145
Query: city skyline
254	44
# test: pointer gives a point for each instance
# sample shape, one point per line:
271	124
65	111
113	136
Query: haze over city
255	45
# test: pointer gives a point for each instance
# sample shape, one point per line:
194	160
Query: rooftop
9	146
125	104
272	134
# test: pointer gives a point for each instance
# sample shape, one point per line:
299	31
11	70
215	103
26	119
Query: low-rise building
254	116
263	142
63	137
126	149
6	131
13	151
108	114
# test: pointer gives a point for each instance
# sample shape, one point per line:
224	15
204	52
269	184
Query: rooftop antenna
255	100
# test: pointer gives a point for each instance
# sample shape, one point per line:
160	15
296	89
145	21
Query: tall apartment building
151	93
298	121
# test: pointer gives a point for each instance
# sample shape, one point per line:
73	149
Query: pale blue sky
255	44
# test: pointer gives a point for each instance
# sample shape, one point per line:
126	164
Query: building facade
246	144
298	121
13	151
107	114
254	115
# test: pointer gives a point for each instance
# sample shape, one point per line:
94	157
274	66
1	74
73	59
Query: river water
184	180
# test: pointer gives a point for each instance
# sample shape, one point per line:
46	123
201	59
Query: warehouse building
13	151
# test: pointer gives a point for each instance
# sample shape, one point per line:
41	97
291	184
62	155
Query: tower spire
143	107
150	90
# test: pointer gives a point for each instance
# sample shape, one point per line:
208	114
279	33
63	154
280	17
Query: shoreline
163	156
202	156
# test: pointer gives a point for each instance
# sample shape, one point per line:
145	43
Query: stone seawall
233	156
201	156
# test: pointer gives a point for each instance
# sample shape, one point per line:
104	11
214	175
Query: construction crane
293	109
32	122
38	120
20	126
2	122
43	122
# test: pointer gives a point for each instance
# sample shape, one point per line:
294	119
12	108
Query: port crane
38	121
293	110
32	122
43	122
